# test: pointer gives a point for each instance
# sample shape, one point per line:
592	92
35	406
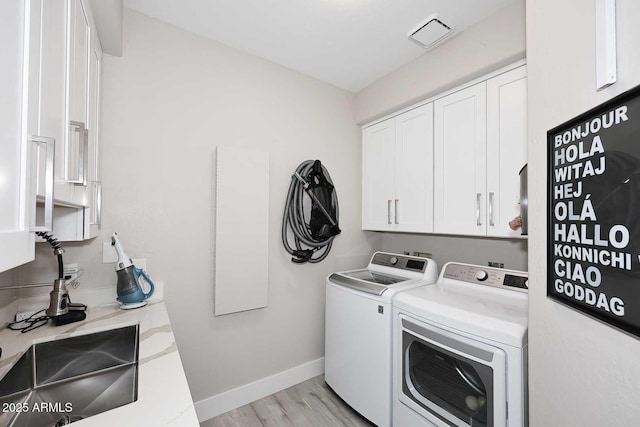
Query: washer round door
451	379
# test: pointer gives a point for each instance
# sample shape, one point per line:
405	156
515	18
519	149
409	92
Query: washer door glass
454	388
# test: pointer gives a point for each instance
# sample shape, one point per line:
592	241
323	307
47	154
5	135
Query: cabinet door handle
98	203
491	209
478	197
49	176
389	211
83	154
395	212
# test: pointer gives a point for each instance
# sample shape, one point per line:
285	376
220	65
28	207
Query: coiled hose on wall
313	232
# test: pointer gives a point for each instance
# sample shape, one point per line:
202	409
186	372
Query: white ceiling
347	43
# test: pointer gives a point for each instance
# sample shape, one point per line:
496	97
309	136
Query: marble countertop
164	398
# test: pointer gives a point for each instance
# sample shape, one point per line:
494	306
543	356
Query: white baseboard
232	399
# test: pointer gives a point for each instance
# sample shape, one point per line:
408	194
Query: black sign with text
594	212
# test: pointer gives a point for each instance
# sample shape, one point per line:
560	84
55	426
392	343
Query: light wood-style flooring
308	404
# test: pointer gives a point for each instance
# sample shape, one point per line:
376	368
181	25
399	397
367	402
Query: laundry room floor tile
308	404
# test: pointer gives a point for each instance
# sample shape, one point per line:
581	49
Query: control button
393	260
482	275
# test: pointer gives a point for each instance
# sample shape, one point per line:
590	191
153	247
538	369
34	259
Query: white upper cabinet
76	141
78	62
47	110
93	191
397	172
52	84
378	171
16	239
460	162
506	149
450	166
413	202
62	81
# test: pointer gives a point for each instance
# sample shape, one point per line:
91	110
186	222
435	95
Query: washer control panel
489	276
403	262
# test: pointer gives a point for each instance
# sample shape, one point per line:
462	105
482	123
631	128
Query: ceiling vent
431	32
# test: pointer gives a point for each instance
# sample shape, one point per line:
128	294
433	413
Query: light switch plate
606	68
109	254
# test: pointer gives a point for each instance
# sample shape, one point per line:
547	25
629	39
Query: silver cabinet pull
478	197
97	203
491	209
389	211
395	213
49	172
83	154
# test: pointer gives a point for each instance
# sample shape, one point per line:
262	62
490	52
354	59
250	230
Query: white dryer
358	330
460	350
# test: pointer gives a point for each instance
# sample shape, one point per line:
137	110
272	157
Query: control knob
482	275
393	260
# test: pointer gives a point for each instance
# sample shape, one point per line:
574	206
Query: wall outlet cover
22	315
423	254
109	254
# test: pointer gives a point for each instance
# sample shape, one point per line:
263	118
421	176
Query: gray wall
167	103
581	372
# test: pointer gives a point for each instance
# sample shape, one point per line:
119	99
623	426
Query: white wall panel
241	230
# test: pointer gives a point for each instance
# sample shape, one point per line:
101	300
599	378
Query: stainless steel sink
58	382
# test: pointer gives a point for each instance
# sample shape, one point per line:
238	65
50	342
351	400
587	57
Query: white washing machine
460	350
358	325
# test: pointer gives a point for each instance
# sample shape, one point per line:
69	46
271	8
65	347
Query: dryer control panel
403	262
488	276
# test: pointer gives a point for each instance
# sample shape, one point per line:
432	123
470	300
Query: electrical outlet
71	270
22	315
422	254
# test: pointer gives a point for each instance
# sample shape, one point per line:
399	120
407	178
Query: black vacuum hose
307	247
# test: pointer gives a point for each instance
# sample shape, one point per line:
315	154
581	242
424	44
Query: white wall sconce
606	70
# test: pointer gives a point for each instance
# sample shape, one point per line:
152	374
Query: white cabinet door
460	162
378	175
506	149
16	240
79	47
76	147
413	202
64	89
50	84
93	196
